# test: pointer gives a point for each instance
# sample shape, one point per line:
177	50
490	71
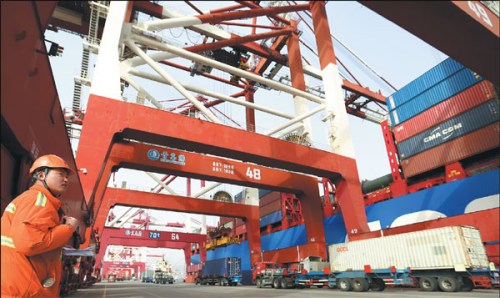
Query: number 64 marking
253	173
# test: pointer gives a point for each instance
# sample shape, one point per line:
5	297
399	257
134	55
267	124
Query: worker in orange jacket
34	230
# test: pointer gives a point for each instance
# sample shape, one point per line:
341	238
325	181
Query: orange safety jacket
32	241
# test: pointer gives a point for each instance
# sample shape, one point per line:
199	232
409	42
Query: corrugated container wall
442	248
269	198
471	144
445	110
435	75
449	130
270	218
434	95
270	208
222	267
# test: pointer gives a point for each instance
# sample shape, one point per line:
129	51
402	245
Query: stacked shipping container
270	203
446	115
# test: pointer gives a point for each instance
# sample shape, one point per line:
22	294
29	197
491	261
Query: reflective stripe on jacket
32	241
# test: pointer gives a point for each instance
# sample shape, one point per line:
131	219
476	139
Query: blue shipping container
458	126
438	93
270	218
230	266
462	196
238	197
435	75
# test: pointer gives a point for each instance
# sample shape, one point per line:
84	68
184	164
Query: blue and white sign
167	157
153	154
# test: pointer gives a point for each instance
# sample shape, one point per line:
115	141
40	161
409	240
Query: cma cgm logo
133	233
444	133
342	249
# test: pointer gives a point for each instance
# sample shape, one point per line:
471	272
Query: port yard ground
139	290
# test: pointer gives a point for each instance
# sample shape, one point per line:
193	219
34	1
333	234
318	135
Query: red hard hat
50	161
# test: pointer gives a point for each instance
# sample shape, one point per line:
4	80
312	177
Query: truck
163	273
223	272
312	271
163	277
450	258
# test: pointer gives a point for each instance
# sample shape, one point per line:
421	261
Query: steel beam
115	196
149	125
465	30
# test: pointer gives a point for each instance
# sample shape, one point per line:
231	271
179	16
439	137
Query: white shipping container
456	247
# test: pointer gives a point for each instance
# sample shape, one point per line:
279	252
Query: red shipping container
193	268
269	198
225	220
471	144
445	110
270	208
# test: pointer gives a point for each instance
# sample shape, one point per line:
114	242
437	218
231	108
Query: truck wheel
377	285
428	284
448	284
284	283
467	284
319	287
360	284
277	283
345	284
258	282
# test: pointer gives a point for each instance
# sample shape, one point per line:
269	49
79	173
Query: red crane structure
191	141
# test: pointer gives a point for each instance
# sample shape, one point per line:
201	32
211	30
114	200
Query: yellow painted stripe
7	241
11	208
41	200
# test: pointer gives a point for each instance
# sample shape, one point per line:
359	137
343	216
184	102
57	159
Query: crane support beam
177	162
131	121
125	197
138	238
467	31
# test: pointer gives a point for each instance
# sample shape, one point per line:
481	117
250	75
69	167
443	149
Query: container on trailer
193	268
451	129
468	145
226	267
438	93
454	247
435	75
445	110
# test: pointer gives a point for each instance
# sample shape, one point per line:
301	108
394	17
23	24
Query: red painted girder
149	158
363	91
200	166
246	43
277	45
123	233
115	196
253	47
143	124
126	197
452	27
251	4
145	242
255	12
250	25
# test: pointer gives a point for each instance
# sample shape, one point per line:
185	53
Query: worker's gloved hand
70	221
